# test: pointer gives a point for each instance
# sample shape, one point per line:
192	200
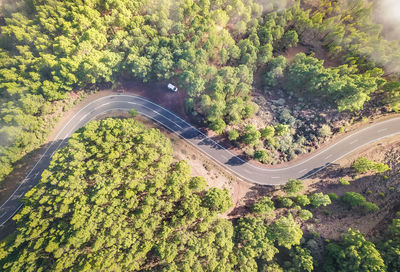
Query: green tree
293	186
286	232
251	135
353	253
318	199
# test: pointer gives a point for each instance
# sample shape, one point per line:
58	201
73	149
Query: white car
172	87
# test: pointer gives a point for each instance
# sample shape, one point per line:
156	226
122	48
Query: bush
233	135
333	196
284	202
218	126
353	199
318	199
282	129
305	215
344	181
251	135
264	206
302	200
324	131
293	186
133	113
261	155
370	207
363	165
267	133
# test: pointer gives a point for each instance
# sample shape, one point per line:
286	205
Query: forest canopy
213	50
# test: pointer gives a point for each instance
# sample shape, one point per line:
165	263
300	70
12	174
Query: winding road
247	171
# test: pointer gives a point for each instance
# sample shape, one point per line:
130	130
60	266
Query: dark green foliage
261	155
286	232
333	196
218	200
354	199
251	135
114	200
264	206
301	260
353	253
390	247
293	186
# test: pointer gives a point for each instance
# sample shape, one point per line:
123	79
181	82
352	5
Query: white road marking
35	175
84	117
383	129
224	157
4	213
275	177
352	142
327	157
106	103
305	169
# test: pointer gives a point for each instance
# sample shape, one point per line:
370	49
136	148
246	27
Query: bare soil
381	189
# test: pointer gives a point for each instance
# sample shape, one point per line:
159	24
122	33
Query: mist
387	13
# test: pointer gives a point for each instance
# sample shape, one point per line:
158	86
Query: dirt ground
381	189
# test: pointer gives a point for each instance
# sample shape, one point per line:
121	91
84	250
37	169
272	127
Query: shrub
251	135
353	199
267	133
363	165
261	155
302	200
264	206
233	135
319	199
305	215
333	196
218	126
370	207
293	186
284	202
324	131
344	181
133	113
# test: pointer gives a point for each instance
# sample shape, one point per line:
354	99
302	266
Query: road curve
226	158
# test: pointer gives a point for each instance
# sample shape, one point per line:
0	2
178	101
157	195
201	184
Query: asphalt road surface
174	123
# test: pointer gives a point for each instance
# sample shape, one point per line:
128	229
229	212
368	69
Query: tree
267	133
261	155
286	232
363	165
353	253
318	199
302	200
251	135
264	206
116	190
218	200
290	39
218	126
293	186
301	260
233	135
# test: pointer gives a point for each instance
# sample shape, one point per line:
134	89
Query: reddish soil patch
319	53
